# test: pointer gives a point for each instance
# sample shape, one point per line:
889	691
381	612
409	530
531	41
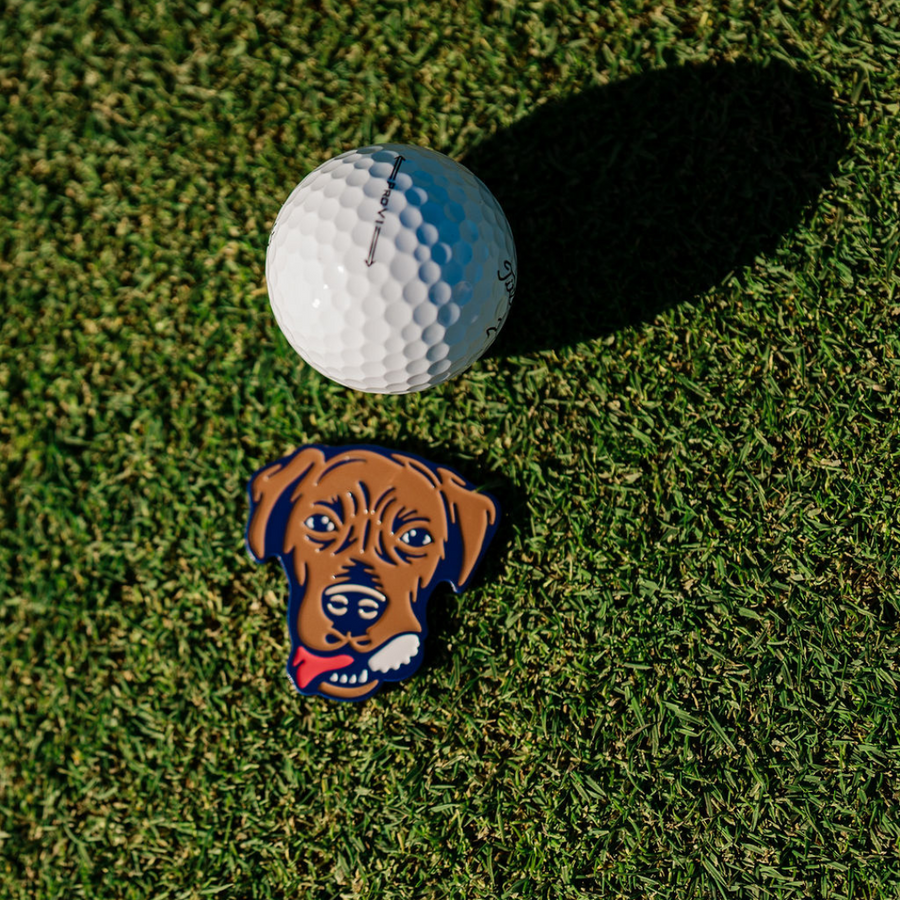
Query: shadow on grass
630	198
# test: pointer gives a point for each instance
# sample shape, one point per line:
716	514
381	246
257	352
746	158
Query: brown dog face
364	535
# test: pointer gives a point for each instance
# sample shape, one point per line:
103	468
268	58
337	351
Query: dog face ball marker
364	535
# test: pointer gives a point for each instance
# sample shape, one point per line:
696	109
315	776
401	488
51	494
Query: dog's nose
353	608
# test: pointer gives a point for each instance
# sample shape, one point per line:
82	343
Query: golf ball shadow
630	198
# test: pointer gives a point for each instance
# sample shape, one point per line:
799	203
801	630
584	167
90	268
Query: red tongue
309	665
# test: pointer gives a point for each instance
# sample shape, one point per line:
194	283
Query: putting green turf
677	674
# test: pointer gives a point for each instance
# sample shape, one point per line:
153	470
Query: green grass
677	675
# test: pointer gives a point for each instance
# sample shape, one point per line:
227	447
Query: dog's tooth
343	679
352	679
364	676
333	677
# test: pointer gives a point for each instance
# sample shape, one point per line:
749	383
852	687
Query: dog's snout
353	608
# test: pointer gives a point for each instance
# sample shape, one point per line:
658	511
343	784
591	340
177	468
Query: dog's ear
475	515
270	486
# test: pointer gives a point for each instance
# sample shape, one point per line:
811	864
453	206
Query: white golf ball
391	268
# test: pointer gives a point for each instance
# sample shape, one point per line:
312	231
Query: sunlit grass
676	675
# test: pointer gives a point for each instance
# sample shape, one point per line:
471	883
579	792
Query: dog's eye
416	537
319	522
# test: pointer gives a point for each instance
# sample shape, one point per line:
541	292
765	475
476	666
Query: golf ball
391	268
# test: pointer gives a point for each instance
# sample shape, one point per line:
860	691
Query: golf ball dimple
391	268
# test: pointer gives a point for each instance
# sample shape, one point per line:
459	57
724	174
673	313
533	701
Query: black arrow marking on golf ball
371	257
385	199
